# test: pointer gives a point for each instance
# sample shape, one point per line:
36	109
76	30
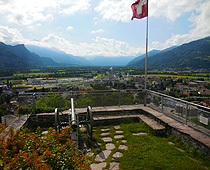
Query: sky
90	28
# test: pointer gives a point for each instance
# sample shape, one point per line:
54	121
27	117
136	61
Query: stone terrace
189	135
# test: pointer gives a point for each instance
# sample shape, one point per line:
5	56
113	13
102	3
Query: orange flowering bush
34	150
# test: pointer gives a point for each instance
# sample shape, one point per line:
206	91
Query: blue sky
90	28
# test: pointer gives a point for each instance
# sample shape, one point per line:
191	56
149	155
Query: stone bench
152	123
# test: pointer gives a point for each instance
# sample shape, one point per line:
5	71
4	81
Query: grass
184	74
67	77
149	151
178	76
69	84
31	74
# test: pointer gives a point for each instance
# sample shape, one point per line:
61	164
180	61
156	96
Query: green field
196	76
32	74
189	77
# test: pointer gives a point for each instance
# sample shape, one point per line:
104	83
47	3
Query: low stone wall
185	136
48	120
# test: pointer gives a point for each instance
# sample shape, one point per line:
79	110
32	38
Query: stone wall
48	120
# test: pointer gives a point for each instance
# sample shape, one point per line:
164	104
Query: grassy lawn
150	151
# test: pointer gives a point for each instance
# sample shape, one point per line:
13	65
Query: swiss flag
140	9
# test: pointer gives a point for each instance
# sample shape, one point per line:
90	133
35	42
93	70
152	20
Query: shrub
34	150
24	111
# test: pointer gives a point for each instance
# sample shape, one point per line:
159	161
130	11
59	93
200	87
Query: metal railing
96	98
188	113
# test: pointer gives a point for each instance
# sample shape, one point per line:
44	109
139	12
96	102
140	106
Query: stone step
152	123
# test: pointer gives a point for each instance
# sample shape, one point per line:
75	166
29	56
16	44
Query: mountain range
195	55
18	56
59	57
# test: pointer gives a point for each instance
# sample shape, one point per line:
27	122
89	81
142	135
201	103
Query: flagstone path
101	157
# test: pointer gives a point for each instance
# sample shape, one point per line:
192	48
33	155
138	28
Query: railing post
162	104
60	102
119	98
19	106
104	98
186	114
145	98
34	103
91	99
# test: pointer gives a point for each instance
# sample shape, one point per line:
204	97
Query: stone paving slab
107	139
105	133
110	146
119	131
98	166
123	147
181	150
118	136
192	159
170	143
114	165
117	155
105	129
102	155
117	127
139	133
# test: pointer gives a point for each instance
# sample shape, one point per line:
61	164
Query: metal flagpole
146	56
140	12
145	84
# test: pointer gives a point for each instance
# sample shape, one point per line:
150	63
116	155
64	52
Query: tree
34	150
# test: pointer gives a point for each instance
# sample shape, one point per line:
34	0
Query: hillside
195	54
19	56
9	59
59	56
137	59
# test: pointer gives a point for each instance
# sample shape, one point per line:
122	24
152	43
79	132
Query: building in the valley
42	80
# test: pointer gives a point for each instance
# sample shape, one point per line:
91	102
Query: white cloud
11	35
121	10
97	31
200	21
99	47
26	12
70	7
171	9
115	10
70	28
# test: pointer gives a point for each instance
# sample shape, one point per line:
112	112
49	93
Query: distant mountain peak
194	55
20	56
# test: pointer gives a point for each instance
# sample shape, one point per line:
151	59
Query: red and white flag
140	9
